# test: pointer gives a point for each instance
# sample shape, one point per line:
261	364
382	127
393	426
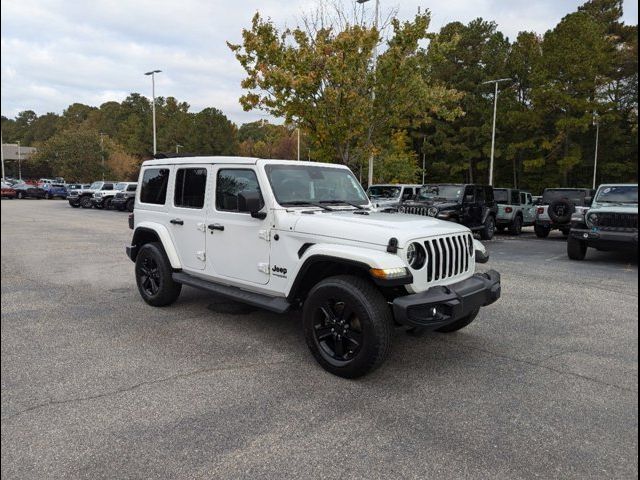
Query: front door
186	221
237	243
528	208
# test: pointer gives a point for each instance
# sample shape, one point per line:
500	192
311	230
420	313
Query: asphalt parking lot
96	384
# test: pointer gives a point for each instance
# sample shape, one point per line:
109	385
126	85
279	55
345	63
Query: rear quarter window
154	186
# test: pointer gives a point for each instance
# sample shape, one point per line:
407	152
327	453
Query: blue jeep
54	190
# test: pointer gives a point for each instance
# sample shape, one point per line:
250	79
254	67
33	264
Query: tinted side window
469	194
107	186
480	194
232	182
515	197
154	186
190	188
489	194
132	188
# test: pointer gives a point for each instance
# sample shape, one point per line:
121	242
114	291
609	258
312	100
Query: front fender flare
360	257
165	238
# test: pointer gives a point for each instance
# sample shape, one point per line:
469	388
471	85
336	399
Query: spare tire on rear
560	211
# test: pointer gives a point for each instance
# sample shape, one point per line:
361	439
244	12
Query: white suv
284	235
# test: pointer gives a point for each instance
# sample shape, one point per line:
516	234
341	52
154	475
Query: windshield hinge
265	235
202	256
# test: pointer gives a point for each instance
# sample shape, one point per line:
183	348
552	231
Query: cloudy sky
56	52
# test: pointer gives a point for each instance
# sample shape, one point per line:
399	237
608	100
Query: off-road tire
576	249
153	257
516	226
370	313
459	324
106	203
542	232
85	202
489	229
569	208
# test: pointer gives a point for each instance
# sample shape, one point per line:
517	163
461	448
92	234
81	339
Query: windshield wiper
343	202
307	204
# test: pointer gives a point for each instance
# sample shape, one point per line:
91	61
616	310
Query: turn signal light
388	273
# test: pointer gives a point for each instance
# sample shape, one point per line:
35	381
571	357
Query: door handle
176	221
216	226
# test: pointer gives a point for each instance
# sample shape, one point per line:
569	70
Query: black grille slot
615	221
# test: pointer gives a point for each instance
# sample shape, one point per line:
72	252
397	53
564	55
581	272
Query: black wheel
542	231
130	205
489	229
20	195
347	325
153	276
85	202
459	324
106	204
576	249
516	227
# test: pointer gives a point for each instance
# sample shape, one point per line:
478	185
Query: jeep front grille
119	195
415	210
618	221
448	256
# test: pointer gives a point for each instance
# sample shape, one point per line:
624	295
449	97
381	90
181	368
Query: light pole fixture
153	105
373	91
493	133
19	161
178	146
102	152
596	123
2	155
298	129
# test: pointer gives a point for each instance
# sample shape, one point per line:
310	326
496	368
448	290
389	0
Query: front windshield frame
627	191
359	198
443	192
96	185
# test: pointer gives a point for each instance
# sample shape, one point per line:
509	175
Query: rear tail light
131	221
508	210
540	210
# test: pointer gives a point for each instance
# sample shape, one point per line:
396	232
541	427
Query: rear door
186	220
528	208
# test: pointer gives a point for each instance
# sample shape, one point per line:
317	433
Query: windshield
440	192
95	186
501	195
382	191
295	184
574	196
621	194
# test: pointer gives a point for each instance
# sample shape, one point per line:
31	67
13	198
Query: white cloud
56	52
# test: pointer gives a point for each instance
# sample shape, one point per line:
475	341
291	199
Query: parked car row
104	195
605	220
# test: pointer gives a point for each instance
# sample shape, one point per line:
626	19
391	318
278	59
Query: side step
273	304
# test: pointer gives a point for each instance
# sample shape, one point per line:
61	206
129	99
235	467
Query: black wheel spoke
339	347
347	312
323	332
327	311
355	338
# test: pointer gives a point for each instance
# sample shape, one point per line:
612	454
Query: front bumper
97	202
442	305
606	239
73	200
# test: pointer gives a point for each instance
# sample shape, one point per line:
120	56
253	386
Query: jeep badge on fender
354	272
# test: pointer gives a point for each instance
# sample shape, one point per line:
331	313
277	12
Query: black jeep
470	205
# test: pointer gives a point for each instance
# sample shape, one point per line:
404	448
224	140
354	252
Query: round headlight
592	219
416	256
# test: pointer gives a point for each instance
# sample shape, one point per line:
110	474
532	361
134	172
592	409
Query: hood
614	208
376	227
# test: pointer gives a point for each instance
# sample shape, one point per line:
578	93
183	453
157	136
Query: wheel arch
147	232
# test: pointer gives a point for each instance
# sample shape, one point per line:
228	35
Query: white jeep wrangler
282	235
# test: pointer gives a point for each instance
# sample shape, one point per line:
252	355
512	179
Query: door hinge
264	268
202	256
201	226
265	235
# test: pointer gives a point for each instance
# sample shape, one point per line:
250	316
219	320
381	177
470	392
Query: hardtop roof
211	160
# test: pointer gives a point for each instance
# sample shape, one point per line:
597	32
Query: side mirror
252	203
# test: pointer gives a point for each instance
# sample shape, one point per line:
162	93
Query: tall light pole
2	155
298	129
102	152
596	122
493	133
373	91
19	161
424	158
153	105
